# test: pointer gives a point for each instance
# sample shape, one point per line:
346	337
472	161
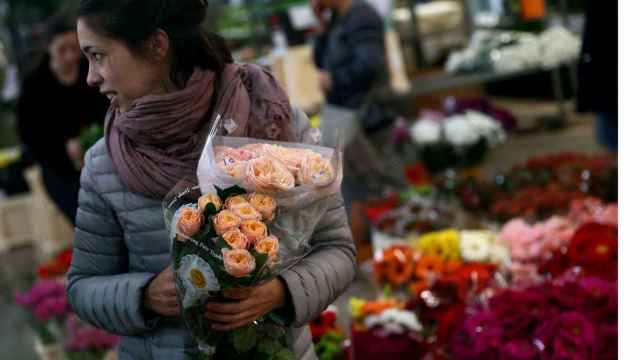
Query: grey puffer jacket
121	244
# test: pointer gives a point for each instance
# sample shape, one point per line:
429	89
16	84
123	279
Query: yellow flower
355	306
445	243
209	198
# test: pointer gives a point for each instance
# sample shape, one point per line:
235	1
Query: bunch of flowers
533	202
222	241
438	258
573	319
540	187
385	329
268	167
327	337
593	250
87	342
56	267
593	210
457	141
417	214
47	305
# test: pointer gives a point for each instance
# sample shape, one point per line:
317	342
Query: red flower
594	244
416	174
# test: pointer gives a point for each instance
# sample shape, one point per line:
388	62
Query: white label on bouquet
230	125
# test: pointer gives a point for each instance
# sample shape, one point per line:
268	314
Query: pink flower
269	246
224	221
189	223
239	262
236	239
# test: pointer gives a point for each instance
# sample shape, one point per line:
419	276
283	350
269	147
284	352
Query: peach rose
292	158
316	171
189	223
254	230
209	198
239	262
236	239
266	205
235	169
224	221
235	200
269	246
246	212
268	173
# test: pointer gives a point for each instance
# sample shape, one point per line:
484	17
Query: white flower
197	279
394	321
558	45
459	132
475	245
499	254
425	132
486	127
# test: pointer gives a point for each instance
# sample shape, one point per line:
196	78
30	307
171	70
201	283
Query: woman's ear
158	46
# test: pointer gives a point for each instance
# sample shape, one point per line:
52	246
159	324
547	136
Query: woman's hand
248	305
161	296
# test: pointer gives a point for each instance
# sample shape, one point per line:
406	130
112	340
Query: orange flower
429	266
377	307
209	198
266	205
246	212
224	221
269	246
236	239
238	263
234	200
395	265
254	230
189	223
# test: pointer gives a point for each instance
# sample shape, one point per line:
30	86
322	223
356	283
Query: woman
54	106
164	77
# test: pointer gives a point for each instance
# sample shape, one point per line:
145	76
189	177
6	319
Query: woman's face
122	75
65	53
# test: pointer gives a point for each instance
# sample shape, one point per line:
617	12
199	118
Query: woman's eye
96	56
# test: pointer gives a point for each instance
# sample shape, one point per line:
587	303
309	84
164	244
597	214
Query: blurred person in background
349	52
55	104
598	70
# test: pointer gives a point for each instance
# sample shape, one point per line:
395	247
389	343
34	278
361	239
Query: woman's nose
93	78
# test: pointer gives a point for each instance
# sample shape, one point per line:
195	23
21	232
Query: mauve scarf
158	142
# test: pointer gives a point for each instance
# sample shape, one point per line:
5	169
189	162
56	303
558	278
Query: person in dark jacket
54	106
349	50
598	70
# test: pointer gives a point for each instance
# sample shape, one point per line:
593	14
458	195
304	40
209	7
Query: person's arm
100	289
317	280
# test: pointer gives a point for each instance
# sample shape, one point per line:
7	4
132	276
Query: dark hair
59	24
135	21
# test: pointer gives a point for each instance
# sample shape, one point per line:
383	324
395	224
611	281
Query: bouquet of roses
249	218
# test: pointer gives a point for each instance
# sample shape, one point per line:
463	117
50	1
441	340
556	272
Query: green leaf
229	192
245	338
273	331
284	354
268	346
209	211
261	260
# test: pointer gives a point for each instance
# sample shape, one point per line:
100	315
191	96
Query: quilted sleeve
100	288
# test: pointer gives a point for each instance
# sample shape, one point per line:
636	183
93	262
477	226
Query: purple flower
568	336
519	350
